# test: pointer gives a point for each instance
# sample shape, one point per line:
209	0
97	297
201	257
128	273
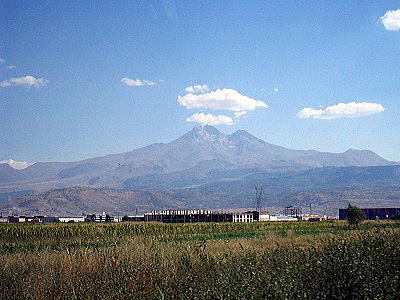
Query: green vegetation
200	261
355	215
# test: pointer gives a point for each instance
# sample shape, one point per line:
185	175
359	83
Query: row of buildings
49	219
290	213
174	216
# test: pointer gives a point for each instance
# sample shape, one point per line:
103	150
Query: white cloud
27	81
239	114
138	82
9	67
19	165
276	89
342	110
210	119
391	20
221	99
197	88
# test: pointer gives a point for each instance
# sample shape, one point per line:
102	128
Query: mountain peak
206	129
244	135
206	132
241	132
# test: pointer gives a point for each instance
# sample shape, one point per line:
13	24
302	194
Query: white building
246	217
275	218
71	219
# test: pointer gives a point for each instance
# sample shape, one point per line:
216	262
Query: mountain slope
327	189
86	200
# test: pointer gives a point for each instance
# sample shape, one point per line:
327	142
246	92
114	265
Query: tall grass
89	229
232	261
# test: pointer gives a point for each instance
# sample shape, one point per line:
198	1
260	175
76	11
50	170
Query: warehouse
193	216
374	213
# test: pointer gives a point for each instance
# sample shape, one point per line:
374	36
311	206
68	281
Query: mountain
190	159
326	189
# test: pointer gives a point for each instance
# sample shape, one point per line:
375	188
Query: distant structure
71	219
293	211
259	193
195	216
374	213
266	217
101	218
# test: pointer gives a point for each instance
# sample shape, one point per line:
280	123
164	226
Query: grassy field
200	261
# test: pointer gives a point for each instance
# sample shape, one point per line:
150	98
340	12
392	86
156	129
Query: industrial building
173	216
246	217
293	211
101	218
193	216
71	219
24	219
374	213
50	219
265	217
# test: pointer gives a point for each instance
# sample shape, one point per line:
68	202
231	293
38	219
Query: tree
354	215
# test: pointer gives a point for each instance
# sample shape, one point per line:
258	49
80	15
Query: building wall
71	219
188	218
264	217
243	218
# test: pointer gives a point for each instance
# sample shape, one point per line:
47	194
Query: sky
80	79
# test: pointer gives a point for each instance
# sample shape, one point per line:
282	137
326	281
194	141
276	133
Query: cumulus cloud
10	67
201	88
2	61
138	82
27	81
239	114
391	20
221	99
276	89
210	119
342	110
19	165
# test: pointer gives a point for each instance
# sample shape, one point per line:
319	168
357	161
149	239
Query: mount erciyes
203	168
202	149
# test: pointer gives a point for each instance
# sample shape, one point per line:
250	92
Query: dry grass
200	262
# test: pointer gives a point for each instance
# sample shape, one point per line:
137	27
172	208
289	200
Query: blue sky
284	55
